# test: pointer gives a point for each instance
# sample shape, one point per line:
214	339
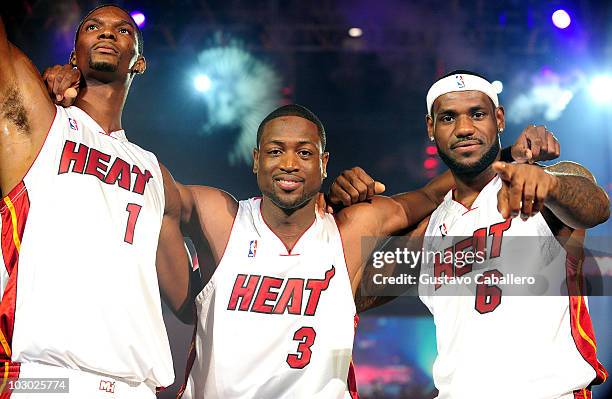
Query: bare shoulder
221	202
366	217
171	193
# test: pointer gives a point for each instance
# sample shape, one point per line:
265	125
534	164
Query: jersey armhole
15	190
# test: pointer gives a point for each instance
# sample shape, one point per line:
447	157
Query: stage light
202	83
498	86
430	163
355	32
139	18
431	150
601	89
561	19
237	90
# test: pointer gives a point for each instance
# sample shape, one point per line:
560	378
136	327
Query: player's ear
255	160
430	127
140	66
73	60
500	117
324	160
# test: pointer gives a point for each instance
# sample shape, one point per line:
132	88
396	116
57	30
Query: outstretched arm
380	215
26	113
567	189
578	201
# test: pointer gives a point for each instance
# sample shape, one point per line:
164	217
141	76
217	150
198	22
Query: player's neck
104	103
288	225
468	188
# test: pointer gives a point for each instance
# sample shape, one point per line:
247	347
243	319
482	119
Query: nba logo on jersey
443	229
460	82
73	124
252	248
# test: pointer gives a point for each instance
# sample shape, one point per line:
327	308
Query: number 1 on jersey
133	211
305	336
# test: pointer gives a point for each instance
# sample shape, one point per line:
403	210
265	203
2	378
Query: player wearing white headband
491	344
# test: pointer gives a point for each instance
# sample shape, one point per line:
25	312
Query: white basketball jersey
492	345
79	241
274	324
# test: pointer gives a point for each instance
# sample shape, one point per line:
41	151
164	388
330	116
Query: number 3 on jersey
133	212
306	337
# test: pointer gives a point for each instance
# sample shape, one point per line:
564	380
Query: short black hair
461	72
138	31
293	110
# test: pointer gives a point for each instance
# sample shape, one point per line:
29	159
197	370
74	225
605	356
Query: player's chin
102	65
291	200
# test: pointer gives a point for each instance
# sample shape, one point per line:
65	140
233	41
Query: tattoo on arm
578	201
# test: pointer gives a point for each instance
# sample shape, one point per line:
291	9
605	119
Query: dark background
369	92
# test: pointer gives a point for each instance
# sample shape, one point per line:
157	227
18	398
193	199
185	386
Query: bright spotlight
561	19
202	83
355	32
601	89
139	18
498	86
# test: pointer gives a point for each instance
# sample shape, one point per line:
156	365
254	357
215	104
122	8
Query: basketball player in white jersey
491	345
90	226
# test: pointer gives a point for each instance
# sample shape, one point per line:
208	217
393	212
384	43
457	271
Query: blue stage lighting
202	83
600	89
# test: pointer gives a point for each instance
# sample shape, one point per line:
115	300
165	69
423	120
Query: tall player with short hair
90	225
492	345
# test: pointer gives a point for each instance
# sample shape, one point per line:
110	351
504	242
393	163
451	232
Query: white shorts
81	384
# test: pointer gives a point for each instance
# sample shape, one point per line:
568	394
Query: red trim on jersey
351	381
580	320
10	372
470	208
273	232
584	393
14	212
190	358
468	211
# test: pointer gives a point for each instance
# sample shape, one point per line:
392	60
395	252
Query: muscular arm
365	225
576	200
26	113
173	266
207	218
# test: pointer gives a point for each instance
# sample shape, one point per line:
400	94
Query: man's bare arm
207	215
566	189
578	201
383	216
26	113
172	263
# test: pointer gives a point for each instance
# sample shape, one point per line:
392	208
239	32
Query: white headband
460	82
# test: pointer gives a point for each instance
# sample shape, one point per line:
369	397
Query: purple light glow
561	19
139	18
